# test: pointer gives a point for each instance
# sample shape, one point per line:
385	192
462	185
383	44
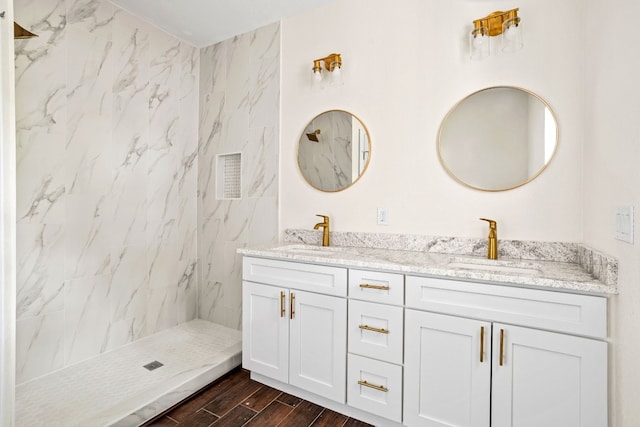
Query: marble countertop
565	276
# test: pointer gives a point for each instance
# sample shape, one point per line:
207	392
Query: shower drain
153	365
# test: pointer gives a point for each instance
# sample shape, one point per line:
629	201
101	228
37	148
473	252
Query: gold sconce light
507	24
332	64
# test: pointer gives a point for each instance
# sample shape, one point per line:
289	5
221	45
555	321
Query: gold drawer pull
375	387
292	305
369	328
501	347
378	287
481	344
282	304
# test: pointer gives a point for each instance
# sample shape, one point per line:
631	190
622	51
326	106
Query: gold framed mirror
334	150
498	138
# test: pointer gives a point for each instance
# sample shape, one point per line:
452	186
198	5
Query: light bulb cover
336	75
316	79
512	35
479	40
479	43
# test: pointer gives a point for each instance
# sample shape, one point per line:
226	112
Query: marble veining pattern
239	112
562	265
529	273
550	251
601	266
107	128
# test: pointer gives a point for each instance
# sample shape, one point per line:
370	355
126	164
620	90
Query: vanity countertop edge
550	275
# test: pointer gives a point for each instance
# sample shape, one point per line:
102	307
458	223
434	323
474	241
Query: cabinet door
318	344
446	383
548	379
265	330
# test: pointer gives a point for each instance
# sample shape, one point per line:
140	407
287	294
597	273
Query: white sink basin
511	268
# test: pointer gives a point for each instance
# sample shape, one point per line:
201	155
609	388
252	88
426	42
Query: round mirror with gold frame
498	138
334	151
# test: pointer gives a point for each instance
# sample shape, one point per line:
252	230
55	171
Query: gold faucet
325	229
492	249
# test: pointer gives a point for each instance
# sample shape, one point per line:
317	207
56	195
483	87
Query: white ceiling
205	22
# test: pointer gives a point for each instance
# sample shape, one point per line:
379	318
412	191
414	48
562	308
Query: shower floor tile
115	388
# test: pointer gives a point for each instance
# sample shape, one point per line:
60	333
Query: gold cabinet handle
373	386
292	304
282	304
501	347
378	287
481	344
370	328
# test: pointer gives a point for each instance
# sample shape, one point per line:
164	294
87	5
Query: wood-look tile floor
236	400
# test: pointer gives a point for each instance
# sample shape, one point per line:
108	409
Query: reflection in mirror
498	138
333	150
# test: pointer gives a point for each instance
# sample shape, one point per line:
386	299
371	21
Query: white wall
405	63
612	178
586	71
7	218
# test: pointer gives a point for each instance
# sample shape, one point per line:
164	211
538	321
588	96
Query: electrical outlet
624	223
383	216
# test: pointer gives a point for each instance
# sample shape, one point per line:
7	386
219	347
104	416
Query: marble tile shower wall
107	123
239	112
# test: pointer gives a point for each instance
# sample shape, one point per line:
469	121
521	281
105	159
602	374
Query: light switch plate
383	216
624	223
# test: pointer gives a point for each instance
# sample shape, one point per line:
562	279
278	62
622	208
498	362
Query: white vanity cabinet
399	349
460	371
292	331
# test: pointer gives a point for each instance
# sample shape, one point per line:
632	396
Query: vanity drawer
375	286
382	392
376	330
555	311
295	275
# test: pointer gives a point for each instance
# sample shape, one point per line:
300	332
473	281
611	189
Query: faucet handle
325	217
492	224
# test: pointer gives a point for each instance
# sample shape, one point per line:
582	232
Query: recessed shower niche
229	176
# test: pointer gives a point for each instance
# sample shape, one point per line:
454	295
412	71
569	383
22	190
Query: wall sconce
333	64
496	23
